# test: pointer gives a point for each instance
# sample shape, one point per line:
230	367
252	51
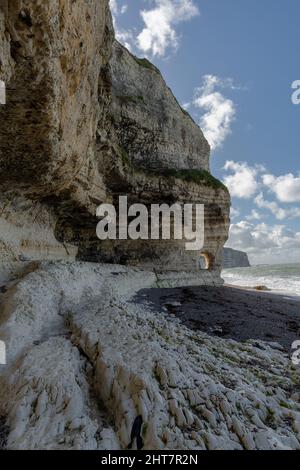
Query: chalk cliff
53	58
86	121
150	125
235	259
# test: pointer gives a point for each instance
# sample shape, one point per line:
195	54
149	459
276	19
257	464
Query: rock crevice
78	390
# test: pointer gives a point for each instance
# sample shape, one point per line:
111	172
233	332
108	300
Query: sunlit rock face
235	259
54	53
151	126
155	153
85	121
53	58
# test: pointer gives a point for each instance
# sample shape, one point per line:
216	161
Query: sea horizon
277	278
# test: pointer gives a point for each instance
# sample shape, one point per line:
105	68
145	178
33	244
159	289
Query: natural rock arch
206	261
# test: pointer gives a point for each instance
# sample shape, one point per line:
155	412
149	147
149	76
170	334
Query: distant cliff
235	259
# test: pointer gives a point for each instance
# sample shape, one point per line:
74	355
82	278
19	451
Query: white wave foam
282	278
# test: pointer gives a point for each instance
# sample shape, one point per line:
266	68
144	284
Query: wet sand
230	312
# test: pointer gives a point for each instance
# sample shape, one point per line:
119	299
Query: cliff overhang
85	122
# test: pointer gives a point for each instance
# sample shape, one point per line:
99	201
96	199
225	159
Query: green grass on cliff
125	158
195	176
146	64
190	176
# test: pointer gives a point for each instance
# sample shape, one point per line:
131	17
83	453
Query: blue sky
232	63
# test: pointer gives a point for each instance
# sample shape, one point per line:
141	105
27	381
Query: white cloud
265	243
286	187
116	8
220	111
242	182
254	215
234	213
124	36
277	211
186	106
245	182
159	33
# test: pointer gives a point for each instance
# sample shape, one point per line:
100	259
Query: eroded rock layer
85	122
53	55
151	126
85	360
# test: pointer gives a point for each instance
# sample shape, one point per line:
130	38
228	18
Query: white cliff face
53	54
151	126
84	122
235	259
84	360
27	233
52	59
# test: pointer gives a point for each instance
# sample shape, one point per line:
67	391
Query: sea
281	279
